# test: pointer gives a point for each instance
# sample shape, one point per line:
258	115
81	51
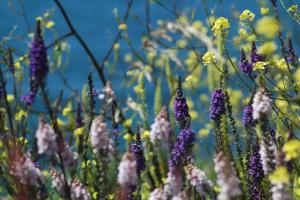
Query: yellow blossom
127	122
182	43
264	10
10	98
60	122
243	32
145	135
45	173
203	132
267	48
128	137
208	58
66	111
79	131
20	115
193	115
260	65
220	25
293	8
116	46
122	27
281	64
280	176
268	26
49	24
197	25
247	15
291	149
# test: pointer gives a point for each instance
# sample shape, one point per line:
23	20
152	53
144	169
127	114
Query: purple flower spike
182	147
79	122
181	109
255	57
245	66
217	106
248	120
292	57
38	64
255	173
137	151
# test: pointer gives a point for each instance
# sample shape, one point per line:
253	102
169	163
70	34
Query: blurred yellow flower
260	65
197	25
281	64
203	132
293	8
145	135
20	115
243	32
208	58
10	98
122	27
220	25
247	15
79	131
128	137
49	24
182	43
268	26
264	10
66	111
291	149
116	46
267	48
280	176
127	122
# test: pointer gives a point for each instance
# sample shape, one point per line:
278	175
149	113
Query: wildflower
20	115
181	196
261	105
291	149
247	15
217	105
116	46
268	26
203	132
255	173
280	179
38	64
137	151
268	152
248	117
220	25
226	178
259	65
158	194
245	66
267	48
100	138
58	182
46	139
122	27
68	157
161	128
281	64
243	33
25	171
181	109
78	191
292	57
182	147
127	171
293	8
198	179
173	183
66	111
10	98
127	137
264	10
255	57
208	58
79	131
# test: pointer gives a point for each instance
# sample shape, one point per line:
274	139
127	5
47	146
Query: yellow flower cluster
281	64
247	15
220	25
264	11
79	131
268	26
293	8
208	58
260	65
291	149
280	176
20	115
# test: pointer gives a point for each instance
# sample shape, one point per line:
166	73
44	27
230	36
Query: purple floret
182	147
245	66
217	106
255	57
248	120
